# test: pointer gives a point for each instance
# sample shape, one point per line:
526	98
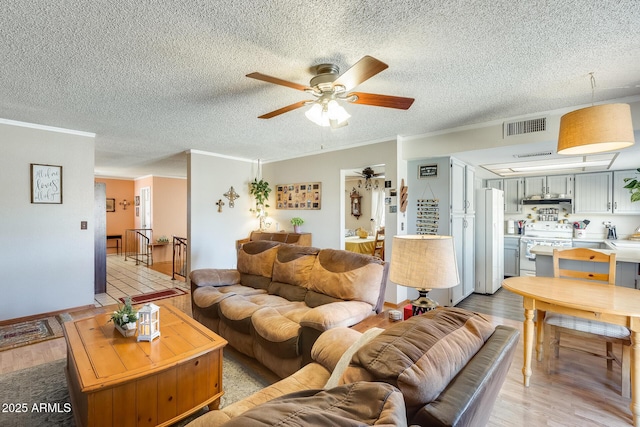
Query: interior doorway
363	204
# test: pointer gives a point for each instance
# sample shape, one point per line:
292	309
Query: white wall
212	234
46	259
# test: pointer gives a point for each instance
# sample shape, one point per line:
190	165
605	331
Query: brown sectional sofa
281	297
443	368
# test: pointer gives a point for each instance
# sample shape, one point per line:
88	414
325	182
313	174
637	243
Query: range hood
543	201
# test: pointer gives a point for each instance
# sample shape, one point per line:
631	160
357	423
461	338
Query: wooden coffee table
117	381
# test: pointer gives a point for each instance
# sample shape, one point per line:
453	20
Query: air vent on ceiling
538	154
525	126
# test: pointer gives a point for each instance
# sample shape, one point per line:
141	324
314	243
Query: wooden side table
380	320
116	381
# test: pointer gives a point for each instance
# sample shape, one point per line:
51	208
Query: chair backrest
378	244
585	255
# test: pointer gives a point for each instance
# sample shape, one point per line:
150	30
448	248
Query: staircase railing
137	245
179	257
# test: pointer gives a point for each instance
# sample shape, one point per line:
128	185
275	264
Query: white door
145	207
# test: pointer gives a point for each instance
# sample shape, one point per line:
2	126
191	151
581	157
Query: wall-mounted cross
220	204
232	196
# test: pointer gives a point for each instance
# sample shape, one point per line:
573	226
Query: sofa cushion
255	263
277	329
357	404
347	275
236	311
421	355
292	271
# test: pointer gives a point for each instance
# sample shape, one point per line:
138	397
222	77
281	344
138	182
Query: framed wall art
306	196
427	171
111	205
46	184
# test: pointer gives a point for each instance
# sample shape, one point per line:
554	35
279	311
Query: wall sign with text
427	171
46	184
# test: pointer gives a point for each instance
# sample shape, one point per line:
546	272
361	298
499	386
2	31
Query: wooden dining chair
378	244
556	324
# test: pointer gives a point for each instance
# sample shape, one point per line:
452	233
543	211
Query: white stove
543	234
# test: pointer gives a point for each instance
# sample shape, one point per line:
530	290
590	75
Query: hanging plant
260	191
633	185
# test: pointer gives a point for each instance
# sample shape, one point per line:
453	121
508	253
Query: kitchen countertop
622	255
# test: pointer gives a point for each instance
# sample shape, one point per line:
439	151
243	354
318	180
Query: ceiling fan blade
277	81
284	110
381	100
362	70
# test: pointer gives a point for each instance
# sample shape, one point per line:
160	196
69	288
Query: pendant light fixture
596	129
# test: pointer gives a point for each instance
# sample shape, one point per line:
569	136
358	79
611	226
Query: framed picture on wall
137	200
111	205
46	184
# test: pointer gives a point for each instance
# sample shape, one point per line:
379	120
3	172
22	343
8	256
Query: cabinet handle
615	205
608	206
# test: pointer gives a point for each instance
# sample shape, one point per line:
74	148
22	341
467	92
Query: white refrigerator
489	240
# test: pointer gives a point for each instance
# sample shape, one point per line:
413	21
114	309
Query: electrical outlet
402	226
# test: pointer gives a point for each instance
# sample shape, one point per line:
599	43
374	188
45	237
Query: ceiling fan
329	87
368	173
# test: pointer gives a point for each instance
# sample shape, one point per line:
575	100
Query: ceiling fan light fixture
316	115
337	112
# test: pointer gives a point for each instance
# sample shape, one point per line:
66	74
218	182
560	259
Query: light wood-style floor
581	392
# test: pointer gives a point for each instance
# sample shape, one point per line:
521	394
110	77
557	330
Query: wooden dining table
595	301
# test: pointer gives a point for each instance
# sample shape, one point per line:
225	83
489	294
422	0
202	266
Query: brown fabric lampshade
596	129
424	262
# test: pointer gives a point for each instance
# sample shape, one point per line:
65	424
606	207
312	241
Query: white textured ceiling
155	78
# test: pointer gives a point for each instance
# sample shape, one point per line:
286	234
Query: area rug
32	331
39	397
154	296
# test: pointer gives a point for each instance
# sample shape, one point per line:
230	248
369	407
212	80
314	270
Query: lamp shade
596	129
424	262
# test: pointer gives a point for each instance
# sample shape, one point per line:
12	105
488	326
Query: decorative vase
296	228
127	330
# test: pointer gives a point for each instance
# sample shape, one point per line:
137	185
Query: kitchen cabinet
621	197
455	191
462	188
513	195
495	183
593	193
511	256
553	184
534	186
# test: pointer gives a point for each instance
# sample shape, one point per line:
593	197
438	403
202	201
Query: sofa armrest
331	345
469	398
214	277
336	314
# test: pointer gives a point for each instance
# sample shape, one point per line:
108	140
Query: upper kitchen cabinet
621	196
462	188
593	193
513	195
554	184
495	183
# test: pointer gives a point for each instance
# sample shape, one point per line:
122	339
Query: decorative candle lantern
148	322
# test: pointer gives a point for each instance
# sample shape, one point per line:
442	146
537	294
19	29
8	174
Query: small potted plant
124	318
297	222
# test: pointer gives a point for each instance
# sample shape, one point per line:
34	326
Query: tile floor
125	278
